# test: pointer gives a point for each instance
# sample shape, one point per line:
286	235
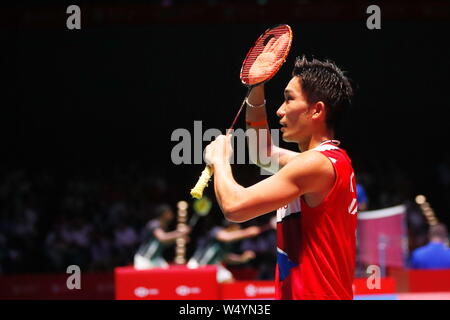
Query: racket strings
275	53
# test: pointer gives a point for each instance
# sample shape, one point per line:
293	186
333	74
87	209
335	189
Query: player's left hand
248	255
219	151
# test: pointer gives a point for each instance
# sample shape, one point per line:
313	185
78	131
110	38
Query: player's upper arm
278	159
305	173
284	155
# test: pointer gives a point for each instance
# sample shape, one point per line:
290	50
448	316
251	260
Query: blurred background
87	117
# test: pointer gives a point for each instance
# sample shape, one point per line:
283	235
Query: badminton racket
262	62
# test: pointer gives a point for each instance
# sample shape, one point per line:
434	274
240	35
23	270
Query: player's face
294	116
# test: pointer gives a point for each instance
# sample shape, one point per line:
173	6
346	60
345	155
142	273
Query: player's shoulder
310	155
310	160
334	153
311	171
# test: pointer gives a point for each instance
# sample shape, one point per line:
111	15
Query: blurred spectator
264	246
216	248
434	255
156	238
362	197
418	228
101	252
56	251
125	241
77	232
68	243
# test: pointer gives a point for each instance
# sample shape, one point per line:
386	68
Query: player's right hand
184	229
253	231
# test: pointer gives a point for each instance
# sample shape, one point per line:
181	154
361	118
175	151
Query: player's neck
314	141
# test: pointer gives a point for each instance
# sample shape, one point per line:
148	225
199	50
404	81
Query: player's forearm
228	192
256	120
237	235
262	151
256	98
233	258
168	237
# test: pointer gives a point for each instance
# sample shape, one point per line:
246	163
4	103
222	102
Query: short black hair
161	209
324	81
438	230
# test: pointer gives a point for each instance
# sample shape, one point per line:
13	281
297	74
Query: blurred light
182	205
420	199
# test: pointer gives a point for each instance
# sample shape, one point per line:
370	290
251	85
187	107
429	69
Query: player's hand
268	60
219	151
253	231
184	230
248	255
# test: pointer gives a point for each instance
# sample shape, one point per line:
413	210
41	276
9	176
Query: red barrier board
429	280
248	290
385	285
96	286
173	283
266	289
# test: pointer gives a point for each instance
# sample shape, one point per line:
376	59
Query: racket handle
197	191
193	221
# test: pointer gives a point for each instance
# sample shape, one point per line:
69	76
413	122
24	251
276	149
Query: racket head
272	48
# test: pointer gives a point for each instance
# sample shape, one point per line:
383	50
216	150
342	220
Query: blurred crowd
51	220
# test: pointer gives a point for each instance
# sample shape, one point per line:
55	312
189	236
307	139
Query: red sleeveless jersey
316	247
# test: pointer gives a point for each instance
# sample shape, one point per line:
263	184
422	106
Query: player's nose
280	111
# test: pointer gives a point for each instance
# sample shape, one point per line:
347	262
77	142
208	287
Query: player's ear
318	110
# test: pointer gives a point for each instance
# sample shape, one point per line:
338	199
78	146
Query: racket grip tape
197	191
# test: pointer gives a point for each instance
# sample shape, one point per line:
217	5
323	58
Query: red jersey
316	247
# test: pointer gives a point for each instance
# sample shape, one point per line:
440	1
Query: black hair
160	209
324	81
438	231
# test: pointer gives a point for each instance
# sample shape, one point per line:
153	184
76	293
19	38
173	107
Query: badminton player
313	190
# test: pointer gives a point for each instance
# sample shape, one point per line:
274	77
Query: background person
435	254
217	247
157	238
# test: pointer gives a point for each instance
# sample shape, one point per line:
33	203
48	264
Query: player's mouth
283	126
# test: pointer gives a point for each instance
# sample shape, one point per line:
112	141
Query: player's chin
285	136
285	139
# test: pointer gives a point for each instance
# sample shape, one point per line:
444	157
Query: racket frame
286	52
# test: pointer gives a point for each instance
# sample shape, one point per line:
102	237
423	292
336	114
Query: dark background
91	102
